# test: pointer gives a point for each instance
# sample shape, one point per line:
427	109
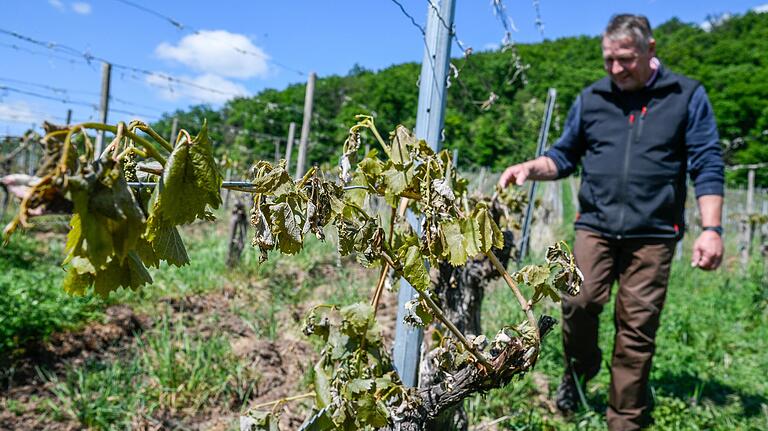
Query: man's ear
652	47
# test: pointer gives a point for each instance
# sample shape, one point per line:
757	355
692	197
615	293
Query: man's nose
616	67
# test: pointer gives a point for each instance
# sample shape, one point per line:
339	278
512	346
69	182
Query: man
636	133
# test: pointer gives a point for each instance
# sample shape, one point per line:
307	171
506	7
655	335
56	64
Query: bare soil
281	365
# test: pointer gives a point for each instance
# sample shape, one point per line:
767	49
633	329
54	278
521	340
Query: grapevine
117	232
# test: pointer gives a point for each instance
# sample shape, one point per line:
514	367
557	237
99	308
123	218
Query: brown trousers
641	267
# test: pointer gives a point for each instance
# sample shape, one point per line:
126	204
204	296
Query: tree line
496	101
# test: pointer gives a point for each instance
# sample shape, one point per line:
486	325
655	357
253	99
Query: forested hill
731	60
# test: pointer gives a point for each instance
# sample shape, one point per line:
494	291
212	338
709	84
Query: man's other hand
707	251
515	174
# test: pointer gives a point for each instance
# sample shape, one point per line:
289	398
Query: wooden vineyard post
748	225
227	177
289	145
174	130
430	117
106	71
304	140
238	230
277	150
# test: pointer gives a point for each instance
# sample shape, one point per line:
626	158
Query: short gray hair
635	27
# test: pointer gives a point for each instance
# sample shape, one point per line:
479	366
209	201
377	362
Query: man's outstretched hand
540	168
707	251
515	174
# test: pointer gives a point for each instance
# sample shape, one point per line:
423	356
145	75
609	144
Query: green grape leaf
191	181
76	283
372	412
319	421
322	387
167	245
357	316
490	234
471	238
149	257
357	386
89	235
453	242
130	273
414	270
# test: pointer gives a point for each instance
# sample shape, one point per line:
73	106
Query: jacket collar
664	79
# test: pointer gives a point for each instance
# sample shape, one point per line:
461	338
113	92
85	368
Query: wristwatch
716	229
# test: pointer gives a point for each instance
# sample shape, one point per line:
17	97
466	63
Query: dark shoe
567	396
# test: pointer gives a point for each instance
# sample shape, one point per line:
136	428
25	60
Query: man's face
628	67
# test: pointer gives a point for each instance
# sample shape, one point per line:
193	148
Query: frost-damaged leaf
402	142
567	277
263	238
537	277
259	421
107	220
371	168
128	224
414	270
443	189
287	228
191	181
269	179
417	314
349	154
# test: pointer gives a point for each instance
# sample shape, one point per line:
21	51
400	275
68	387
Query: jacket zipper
633	135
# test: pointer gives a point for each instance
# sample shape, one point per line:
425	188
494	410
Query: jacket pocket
651	206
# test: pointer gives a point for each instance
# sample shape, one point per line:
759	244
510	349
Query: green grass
32	303
168	371
708	370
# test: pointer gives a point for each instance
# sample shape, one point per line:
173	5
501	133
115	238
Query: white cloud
218	52
18	112
715	21
491	46
81	8
57	4
225	89
763	8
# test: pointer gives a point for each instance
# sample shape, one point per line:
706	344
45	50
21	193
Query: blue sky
242	47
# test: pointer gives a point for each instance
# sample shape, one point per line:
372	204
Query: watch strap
717	229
